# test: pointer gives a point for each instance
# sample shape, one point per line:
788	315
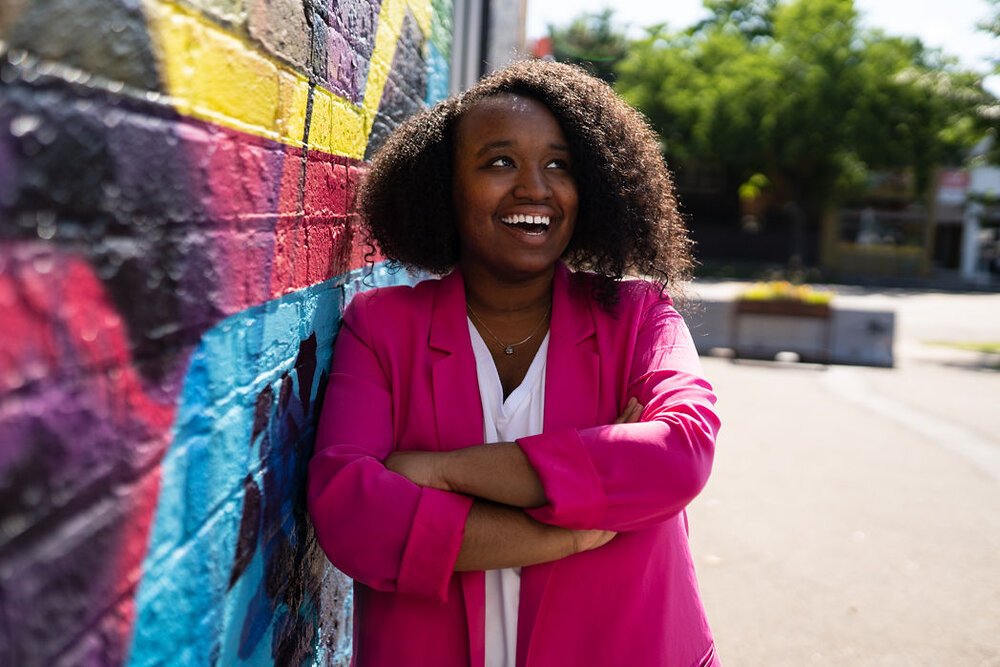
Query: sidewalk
851	518
834	534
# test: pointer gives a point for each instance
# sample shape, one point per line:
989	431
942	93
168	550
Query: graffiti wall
177	242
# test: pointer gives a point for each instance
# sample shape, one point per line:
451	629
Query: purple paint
246	542
352	42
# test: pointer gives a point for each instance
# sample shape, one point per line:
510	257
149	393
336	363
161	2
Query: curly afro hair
627	222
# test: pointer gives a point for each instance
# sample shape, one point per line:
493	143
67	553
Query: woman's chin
522	269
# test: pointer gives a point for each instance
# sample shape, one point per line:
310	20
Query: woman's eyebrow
506	143
486	148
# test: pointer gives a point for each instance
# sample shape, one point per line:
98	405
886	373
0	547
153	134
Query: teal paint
205	592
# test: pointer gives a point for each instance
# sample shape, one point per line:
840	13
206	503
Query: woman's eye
557	164
502	162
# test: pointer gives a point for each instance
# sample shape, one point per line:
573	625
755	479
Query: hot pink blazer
404	377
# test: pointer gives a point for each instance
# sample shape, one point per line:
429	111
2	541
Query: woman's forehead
493	114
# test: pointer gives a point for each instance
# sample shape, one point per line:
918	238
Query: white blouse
521	415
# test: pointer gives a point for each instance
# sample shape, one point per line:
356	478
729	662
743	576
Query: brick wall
176	246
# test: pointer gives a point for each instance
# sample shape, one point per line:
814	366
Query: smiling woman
515	197
505	454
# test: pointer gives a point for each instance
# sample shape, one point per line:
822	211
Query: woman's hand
423	468
587	540
631	413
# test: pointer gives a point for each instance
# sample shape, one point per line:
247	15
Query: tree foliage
751	18
991	26
798	91
592	41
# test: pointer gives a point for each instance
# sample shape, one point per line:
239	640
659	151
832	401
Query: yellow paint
216	76
211	75
349	129
390	23
293	95
423	12
320	122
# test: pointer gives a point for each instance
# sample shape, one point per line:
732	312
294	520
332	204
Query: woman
505	454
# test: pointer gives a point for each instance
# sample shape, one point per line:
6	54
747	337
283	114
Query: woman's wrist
427	469
496	471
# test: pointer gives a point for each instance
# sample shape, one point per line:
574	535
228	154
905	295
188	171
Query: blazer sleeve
625	477
374	525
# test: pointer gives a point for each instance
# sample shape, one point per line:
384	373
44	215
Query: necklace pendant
508	350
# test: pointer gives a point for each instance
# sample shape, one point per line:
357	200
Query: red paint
272	227
61	324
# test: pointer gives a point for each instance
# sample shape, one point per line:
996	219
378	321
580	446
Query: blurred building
488	34
952	234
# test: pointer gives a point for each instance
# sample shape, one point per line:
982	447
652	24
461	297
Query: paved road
853	517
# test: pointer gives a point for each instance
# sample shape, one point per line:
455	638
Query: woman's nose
532	184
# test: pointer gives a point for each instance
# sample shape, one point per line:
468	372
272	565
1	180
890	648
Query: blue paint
438	73
206	596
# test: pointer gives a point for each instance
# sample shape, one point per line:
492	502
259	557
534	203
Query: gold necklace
508	348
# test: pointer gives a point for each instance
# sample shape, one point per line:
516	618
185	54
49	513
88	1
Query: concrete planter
764	329
815	332
783	308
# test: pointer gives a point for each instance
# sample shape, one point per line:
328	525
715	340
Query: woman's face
514	194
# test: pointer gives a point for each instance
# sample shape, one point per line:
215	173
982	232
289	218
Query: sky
946	24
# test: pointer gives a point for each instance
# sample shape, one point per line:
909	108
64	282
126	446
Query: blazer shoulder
395	300
635	295
643	291
386	316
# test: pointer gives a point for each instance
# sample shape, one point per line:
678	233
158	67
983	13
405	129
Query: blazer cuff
433	544
570	480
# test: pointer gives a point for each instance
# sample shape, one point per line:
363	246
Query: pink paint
271	229
63	332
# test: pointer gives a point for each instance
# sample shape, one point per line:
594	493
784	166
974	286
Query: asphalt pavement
853	515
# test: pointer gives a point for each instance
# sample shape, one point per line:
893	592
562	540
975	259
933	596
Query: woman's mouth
529	224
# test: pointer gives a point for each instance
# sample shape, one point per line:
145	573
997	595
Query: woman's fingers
587	540
626	412
631	413
423	468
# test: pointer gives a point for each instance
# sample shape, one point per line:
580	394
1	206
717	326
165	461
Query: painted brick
321	121
67	581
102	644
355	174
325	188
352	42
233	12
293	96
280	26
337	614
441	30
177	245
107	38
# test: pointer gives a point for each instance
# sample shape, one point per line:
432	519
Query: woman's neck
491	296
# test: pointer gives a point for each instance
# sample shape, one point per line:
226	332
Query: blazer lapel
573	364
458	409
572	375
458	412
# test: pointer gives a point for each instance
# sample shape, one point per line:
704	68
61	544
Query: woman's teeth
532	224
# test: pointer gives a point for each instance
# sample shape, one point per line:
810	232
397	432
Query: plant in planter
780	297
778	317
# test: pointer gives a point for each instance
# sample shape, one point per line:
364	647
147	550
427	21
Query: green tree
991	25
751	18
592	41
804	96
